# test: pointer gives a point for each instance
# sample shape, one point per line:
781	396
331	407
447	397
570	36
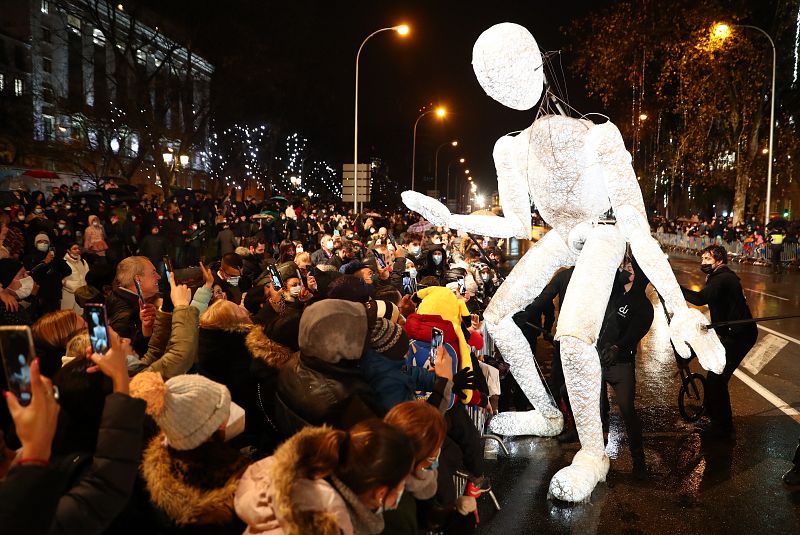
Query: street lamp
460	160
295	181
167	157
436	163
184	160
723	31
401	29
440	113
643	117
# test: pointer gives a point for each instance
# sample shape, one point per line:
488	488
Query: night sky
294	61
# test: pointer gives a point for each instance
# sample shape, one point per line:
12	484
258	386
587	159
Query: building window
18	87
98	37
48	126
141	57
47	35
45	7
2	81
74	23
47	64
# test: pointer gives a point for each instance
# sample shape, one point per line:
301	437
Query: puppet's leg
523	285
579	324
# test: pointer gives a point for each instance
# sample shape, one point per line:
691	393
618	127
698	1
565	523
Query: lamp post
402	29
723	31
440	112
460	160
436	164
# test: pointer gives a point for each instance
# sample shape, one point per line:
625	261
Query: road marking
781	405
765	293
763	352
778	333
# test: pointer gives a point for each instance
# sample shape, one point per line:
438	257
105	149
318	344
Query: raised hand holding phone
35	423
114	363
444	364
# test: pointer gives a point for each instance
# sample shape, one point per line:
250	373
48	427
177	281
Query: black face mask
707	268
623	277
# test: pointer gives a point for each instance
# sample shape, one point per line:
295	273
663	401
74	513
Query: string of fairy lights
244	155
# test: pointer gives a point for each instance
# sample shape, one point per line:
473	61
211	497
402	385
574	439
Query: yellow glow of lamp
441	112
454	143
721	31
402	29
461	160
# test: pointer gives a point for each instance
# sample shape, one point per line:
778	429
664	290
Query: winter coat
627	319
172	350
94	239
275	497
78	493
429	268
192	491
393	381
47	276
72	282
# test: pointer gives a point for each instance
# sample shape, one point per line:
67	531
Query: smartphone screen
98	331
303	281
139	291
462	287
379	259
277	283
16	346
437	338
167	263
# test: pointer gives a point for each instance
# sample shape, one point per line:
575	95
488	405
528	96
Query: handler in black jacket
628	318
724	296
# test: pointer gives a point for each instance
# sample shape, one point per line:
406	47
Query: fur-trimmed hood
274	497
266	349
196	487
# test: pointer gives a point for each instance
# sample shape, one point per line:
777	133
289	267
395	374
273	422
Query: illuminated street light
462	160
184	160
643	117
401	29
722	31
480	201
466	171
765	151
440	112
167	156
453	143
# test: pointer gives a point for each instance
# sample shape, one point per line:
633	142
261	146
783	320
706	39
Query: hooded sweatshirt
628	317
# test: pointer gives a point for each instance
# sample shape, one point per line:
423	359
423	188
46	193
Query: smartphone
303	280
98	327
16	347
379	259
409	284
168	263
277	283
139	291
462	287
437	339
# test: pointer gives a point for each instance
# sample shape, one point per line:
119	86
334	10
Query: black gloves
464	380
608	355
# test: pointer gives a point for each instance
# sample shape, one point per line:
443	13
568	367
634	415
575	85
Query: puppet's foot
526	423
575	483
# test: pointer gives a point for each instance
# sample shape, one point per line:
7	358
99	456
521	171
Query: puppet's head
508	65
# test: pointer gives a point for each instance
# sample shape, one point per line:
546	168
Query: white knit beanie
187	408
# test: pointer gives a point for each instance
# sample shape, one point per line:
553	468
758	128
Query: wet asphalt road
695	485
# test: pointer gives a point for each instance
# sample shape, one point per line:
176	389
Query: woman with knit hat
327	482
48	272
190	472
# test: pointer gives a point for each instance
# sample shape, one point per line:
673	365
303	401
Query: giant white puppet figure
574	171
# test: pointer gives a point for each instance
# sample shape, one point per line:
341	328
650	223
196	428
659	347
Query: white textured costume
574	171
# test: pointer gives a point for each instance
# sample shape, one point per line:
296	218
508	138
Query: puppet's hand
687	327
427	207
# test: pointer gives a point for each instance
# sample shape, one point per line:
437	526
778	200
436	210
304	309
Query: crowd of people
256	377
271	367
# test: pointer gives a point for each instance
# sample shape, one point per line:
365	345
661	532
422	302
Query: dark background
293	63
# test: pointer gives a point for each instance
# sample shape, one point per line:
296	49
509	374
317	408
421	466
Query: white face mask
414	249
412	273
43	247
295	291
25	287
437	259
61	226
329	244
74	256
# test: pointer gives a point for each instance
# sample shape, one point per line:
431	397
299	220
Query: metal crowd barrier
738	251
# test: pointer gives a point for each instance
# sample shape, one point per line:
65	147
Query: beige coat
72	282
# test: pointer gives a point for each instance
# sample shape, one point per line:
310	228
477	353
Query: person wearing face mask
435	263
726	301
229	277
628	317
326	480
16	285
324	254
94	239
411	248
74	280
47	271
